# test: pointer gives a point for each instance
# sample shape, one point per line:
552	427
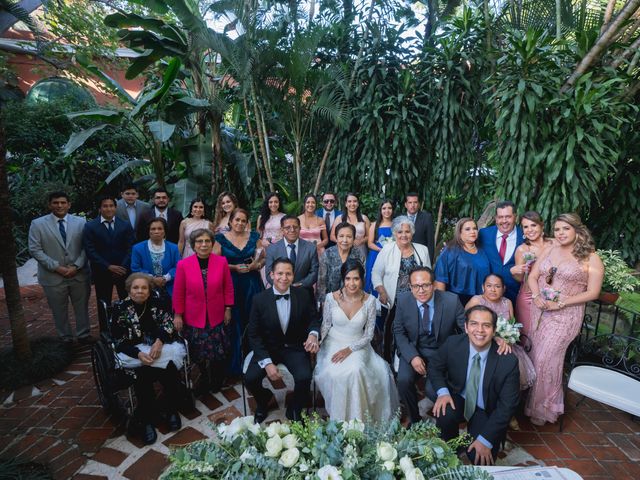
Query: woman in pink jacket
202	300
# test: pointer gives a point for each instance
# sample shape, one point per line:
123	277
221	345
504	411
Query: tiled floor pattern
59	422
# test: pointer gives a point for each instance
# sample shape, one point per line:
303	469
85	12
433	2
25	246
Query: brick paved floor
59	422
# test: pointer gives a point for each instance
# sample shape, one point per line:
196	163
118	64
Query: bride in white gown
356	383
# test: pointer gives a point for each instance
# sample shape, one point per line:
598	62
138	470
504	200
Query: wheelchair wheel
103	366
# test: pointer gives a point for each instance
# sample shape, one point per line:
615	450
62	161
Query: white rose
254	428
289	457
273	446
290	441
303	467
353	424
416	474
386	452
389	465
273	429
406	464
284	429
329	472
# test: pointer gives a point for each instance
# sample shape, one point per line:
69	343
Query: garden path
60	422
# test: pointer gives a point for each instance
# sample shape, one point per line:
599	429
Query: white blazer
387	267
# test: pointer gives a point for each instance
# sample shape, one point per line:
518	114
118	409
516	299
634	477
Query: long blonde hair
584	245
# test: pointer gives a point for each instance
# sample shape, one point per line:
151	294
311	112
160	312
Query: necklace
140	315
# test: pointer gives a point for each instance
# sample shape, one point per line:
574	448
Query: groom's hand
312	345
272	372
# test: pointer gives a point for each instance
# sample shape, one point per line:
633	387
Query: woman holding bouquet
566	276
526	254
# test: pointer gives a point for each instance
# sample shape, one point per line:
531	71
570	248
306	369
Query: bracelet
561	305
533	297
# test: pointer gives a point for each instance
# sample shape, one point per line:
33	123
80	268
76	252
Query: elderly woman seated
143	334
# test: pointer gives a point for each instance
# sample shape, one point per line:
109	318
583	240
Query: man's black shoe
149	436
294	414
174	422
260	414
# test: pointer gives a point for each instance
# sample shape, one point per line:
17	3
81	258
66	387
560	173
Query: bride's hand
340	355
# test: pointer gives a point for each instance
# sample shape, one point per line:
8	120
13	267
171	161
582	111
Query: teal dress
245	286
384	233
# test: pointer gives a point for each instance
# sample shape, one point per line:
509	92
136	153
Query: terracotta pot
609	297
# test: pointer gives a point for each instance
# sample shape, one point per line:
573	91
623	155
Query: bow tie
285	296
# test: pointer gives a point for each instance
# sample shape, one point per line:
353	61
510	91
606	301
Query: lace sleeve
321	285
367	333
326	318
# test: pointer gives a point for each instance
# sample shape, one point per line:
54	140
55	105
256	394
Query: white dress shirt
161	214
511	244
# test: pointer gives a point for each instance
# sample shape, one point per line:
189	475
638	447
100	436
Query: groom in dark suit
424	319
475	384
283	328
499	242
302	254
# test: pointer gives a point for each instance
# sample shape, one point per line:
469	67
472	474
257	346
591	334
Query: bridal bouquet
508	330
324	450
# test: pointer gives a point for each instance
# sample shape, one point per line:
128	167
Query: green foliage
618	277
12	469
49	356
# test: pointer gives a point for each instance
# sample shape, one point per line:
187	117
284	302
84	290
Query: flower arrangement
508	329
323	449
550	294
618	276
529	258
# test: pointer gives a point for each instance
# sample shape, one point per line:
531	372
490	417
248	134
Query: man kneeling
283	328
475	384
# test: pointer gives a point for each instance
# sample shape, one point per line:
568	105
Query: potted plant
618	276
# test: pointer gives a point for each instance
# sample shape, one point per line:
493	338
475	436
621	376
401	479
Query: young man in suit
107	241
499	242
55	241
425	318
160	209
329	212
423	222
129	208
302	254
475	384
283	328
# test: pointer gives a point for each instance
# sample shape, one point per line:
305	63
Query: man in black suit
302	254
107	242
475	384
283	328
423	222
424	319
160	209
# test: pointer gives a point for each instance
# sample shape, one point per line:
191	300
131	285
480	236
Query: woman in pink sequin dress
312	227
535	243
566	277
269	225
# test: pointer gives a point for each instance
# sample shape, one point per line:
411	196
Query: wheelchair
115	383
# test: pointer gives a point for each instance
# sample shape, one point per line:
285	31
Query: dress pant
104	282
407	391
450	421
146	395
299	365
58	298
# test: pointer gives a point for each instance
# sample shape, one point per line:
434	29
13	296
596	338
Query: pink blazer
188	291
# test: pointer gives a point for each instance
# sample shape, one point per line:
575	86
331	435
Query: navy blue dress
245	286
462	272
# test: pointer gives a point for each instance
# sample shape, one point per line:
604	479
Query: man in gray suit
424	319
303	254
55	241
129	208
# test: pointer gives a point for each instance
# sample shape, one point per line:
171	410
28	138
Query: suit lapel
293	308
55	230
272	310
437	314
489	369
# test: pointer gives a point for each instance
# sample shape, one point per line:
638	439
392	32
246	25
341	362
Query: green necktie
471	397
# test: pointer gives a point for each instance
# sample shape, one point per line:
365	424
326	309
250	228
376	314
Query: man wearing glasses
425	318
329	212
302	254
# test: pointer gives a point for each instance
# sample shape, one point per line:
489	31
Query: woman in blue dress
239	247
462	266
379	235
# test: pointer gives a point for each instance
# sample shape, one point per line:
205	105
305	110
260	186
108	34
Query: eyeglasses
291	228
203	240
421	286
328	201
552	273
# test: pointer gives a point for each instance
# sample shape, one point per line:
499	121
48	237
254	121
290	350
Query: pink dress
313	235
523	306
272	234
361	233
191	226
527	371
553	331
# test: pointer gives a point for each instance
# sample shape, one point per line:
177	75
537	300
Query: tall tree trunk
216	148
253	142
19	336
327	149
633	48
608	13
261	139
598	49
559	20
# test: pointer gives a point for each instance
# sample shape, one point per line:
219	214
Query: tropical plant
618	277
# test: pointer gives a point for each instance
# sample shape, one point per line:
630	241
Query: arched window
57	88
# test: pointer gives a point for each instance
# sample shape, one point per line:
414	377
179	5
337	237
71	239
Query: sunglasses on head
551	274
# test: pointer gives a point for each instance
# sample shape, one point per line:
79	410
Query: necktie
109	225
63	231
503	246
471	391
327	221
292	257
425	318
280	297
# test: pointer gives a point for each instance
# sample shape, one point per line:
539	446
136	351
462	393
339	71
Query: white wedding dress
361	386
